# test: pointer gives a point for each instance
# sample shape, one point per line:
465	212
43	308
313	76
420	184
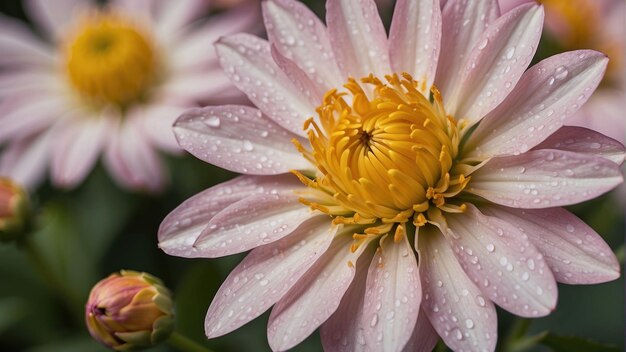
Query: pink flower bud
129	310
14	210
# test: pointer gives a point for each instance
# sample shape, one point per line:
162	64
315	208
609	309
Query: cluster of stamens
385	157
110	60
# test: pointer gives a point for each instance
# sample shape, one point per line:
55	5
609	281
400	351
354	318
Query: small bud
130	310
14	210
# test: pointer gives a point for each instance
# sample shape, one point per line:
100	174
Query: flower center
385	158
109	60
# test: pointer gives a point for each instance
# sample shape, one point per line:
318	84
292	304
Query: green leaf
574	344
12	310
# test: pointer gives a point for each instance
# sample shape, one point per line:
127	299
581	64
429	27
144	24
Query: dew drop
213	121
510	52
374	320
457	334
560	73
503	261
483	43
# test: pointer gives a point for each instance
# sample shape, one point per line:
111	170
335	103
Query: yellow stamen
109	60
385	156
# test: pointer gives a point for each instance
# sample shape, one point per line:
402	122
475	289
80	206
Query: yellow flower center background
385	156
109	60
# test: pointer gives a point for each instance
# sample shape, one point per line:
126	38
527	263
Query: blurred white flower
106	80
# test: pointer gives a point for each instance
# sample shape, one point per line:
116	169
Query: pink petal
77	149
544	178
497	62
424	338
461	28
585	141
20	47
315	297
248	63
157	122
252	222
239	139
265	275
132	160
136	8
358	38
20	118
173	16
508	5
603	112
343	332
300	36
54	17
502	262
30	84
25	161
463	318
546	95
299	78
195	50
575	253
393	297
181	228
191	88
414	40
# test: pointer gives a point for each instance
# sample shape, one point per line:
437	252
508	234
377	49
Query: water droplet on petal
483	43
510	52
213	121
247	145
374	320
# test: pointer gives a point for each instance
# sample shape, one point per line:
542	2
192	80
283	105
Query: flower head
108	80
129	310
14	210
428	182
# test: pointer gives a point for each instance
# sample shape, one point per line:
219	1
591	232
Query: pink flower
107	80
429	186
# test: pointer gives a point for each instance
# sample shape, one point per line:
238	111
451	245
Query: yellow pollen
385	155
109	60
578	17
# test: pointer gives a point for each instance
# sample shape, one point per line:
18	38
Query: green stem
49	276
183	343
515	335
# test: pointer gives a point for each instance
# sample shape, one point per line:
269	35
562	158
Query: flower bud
14	210
130	310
